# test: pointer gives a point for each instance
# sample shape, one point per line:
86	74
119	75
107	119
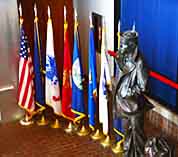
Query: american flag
26	85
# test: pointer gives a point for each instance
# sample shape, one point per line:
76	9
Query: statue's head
128	44
128	48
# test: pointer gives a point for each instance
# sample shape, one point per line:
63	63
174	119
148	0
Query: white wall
102	7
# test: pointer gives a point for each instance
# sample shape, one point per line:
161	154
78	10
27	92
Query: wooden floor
35	141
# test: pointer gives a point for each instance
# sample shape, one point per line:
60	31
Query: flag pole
71	127
107	141
118	147
26	121
42	121
97	135
55	124
83	131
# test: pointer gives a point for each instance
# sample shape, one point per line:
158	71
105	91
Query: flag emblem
76	74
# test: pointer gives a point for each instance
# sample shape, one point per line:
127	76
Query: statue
129	102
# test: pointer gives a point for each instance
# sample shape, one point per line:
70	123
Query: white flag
105	81
52	91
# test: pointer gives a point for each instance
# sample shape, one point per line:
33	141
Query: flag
52	91
104	86
39	85
92	86
26	98
67	79
77	80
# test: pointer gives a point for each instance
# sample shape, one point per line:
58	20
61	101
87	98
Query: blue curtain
157	24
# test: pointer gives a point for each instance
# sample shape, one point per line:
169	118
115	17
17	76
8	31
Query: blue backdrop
157	24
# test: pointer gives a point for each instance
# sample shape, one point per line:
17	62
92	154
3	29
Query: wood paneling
57	8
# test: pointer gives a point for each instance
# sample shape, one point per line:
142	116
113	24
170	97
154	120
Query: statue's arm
142	76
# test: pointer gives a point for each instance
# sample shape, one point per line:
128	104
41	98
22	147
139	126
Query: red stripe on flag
21	78
27	86
31	102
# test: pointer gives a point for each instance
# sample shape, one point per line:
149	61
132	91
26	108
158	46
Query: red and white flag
26	98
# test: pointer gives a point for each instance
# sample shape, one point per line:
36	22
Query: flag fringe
119	133
80	115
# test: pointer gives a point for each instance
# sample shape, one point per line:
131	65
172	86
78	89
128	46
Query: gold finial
20	10
76	19
65	13
35	10
49	12
104	24
20	13
75	14
91	23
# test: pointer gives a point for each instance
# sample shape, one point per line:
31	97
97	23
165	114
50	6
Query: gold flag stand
42	121
106	142
70	128
27	120
83	131
56	124
97	135
118	148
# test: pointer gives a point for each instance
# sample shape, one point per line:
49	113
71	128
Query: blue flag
92	87
39	84
77	79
